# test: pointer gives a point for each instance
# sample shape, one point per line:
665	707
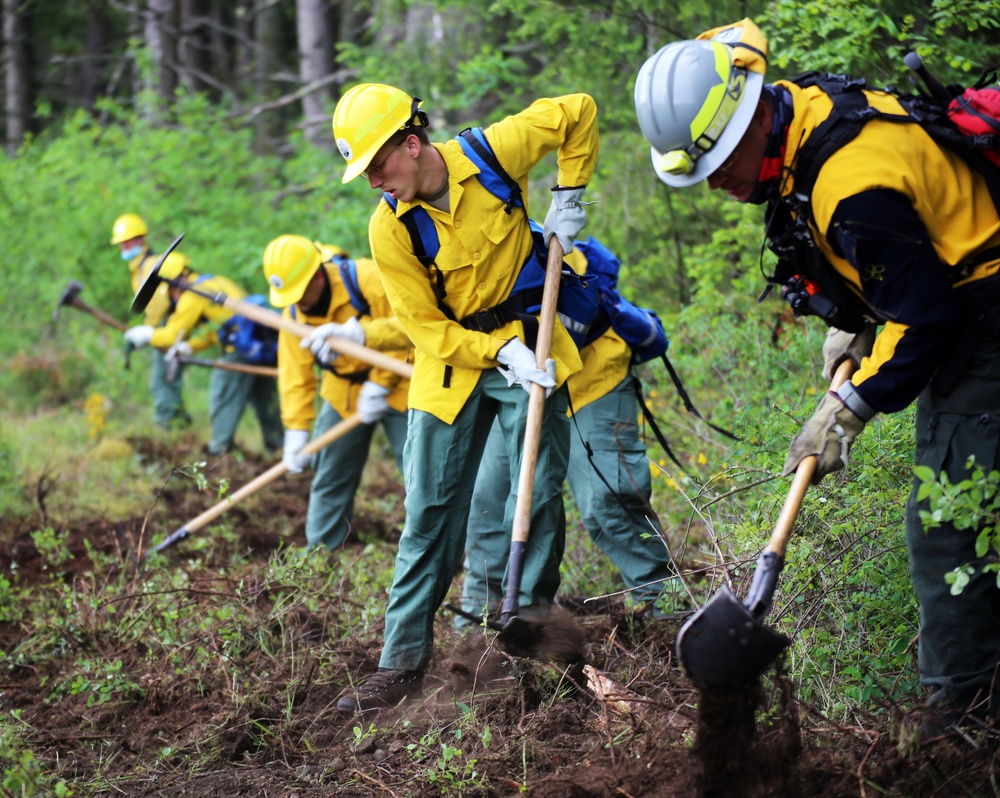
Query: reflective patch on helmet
345	149
276	281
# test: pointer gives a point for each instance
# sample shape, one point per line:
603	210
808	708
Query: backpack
578	298
639	327
964	120
252	341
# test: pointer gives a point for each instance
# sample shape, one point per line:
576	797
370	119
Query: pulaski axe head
68	297
152	281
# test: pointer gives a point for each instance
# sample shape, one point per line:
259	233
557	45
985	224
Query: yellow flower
701	459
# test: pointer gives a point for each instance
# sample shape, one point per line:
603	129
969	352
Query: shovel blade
723	644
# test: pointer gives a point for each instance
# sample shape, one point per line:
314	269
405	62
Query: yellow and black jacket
905	225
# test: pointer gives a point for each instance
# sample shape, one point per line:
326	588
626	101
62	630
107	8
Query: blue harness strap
349	276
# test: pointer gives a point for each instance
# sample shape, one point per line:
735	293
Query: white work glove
139	336
828	435
295	439
566	217
372	402
840	345
518	365
317	341
180	349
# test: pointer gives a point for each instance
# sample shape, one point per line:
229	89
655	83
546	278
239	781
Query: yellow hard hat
366	118
128	226
174	265
289	264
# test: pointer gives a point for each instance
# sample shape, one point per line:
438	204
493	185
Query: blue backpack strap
426	244
349	276
491	174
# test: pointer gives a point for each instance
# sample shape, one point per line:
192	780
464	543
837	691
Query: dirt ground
657	736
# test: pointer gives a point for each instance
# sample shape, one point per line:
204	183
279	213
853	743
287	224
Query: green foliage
972	503
21	774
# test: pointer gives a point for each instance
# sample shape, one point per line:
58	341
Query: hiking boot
384	688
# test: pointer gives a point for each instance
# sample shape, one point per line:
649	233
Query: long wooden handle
802	479
276	321
100	315
243	368
536	400
254	485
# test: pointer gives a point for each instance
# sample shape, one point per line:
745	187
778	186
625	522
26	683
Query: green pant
635	545
440	465
959	648
168	398
229	392
338	470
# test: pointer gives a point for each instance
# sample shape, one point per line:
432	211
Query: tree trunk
17	84
160	37
314	64
268	41
193	46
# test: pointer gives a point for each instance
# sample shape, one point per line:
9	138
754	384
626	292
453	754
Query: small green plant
972	503
101	682
21	774
452	772
52	546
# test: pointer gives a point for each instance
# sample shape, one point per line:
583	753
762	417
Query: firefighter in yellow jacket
320	285
229	391
129	235
891	230
464	376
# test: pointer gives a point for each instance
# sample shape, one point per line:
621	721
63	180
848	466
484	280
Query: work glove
828	435
180	349
372	402
139	336
840	345
295	439
566	217
318	341
518	365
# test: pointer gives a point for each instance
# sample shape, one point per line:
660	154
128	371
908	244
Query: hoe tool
268	318
254	485
71	296
519	635
726	642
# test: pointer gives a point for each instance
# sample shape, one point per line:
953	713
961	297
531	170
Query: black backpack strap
688	405
651	420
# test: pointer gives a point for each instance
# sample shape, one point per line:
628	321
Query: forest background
212	118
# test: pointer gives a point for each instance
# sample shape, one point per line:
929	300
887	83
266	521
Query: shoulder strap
349	275
491	174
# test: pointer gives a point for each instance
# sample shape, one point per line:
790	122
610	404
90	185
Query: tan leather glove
840	345
828	435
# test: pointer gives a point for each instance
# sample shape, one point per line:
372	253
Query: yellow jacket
297	378
159	305
953	205
193	310
482	249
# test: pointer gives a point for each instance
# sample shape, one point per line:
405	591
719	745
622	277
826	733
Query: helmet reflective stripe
694	105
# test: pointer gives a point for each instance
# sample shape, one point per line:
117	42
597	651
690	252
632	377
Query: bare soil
655	736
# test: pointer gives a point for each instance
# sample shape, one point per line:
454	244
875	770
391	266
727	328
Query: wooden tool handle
802	479
276	321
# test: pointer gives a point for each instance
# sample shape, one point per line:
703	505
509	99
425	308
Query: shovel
518	635
337	431
726	642
268	318
71	297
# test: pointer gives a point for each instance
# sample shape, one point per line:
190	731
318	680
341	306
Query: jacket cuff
852	400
